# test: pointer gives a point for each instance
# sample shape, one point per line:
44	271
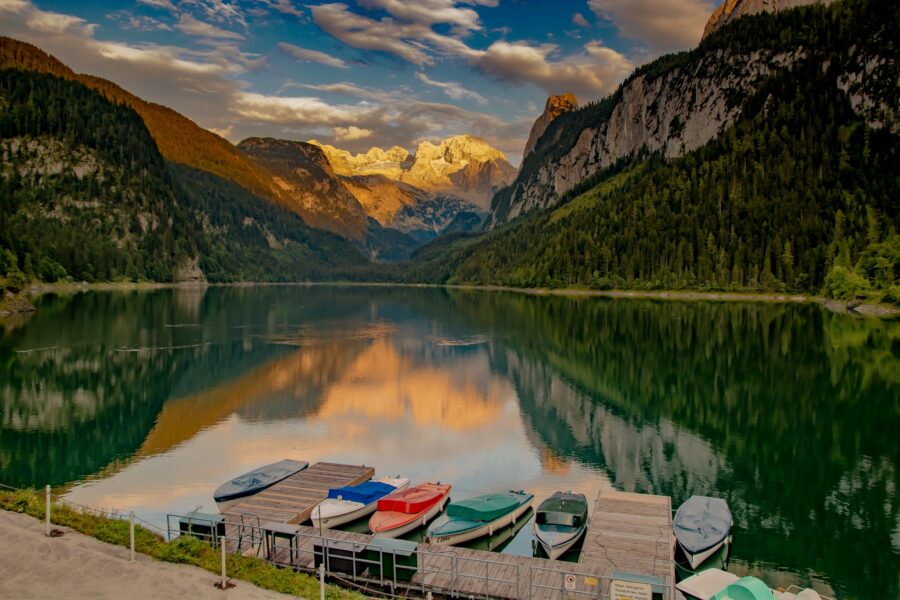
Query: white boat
716	584
560	522
702	526
349	503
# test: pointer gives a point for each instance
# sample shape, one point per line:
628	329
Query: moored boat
716	584
346	504
476	517
702	526
560	521
405	510
255	481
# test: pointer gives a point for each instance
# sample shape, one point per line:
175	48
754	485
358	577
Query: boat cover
364	493
484	508
702	522
413	500
746	588
565	509
258	480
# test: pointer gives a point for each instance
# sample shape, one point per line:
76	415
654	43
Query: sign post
630	590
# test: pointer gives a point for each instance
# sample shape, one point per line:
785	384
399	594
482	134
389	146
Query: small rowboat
560	522
346	504
702	526
476	517
405	510
255	481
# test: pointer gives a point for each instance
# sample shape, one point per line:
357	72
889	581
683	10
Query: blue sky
360	73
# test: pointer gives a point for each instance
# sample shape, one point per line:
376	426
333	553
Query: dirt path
74	566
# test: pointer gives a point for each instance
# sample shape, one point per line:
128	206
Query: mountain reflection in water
786	411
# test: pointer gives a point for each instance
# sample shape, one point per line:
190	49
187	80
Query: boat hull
556	545
696	559
330	513
477	532
420	520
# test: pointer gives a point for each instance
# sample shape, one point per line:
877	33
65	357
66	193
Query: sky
360	73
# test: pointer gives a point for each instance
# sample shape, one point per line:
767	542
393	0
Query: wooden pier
292	500
628	533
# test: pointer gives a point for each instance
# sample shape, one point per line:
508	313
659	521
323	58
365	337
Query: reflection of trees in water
794	408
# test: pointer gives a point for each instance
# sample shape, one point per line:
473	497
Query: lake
148	400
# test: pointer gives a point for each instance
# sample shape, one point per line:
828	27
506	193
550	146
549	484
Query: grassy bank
182	550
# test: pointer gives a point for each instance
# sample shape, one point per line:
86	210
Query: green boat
476	517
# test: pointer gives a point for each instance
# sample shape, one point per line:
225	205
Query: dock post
322	580
47	509
131	534
224	578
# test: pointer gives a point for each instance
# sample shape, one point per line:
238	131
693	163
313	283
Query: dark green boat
560	522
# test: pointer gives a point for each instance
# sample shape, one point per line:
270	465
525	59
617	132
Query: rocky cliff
463	166
306	178
680	102
730	10
555	106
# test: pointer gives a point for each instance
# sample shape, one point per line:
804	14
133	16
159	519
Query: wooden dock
632	533
628	533
292	500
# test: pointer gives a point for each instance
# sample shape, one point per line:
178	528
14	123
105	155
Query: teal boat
477	517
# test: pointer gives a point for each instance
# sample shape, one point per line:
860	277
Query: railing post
47	509
224	577
131	533
322	580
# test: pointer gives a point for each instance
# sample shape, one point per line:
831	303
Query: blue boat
255	481
346	504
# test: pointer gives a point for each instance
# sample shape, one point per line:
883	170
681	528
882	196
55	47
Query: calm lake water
146	401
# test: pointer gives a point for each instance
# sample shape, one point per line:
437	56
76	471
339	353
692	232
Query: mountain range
765	158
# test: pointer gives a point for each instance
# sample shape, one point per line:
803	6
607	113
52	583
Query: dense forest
799	195
87	196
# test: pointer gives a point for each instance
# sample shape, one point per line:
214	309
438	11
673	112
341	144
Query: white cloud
284	6
429	12
138	22
663	25
579	20
307	55
164	4
220	11
454	90
225	132
351	133
589	75
191	26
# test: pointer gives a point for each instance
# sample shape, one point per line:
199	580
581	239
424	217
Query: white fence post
47	509
131	532
224	578
322	581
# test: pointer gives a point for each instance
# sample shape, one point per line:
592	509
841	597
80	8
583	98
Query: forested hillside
798	188
86	195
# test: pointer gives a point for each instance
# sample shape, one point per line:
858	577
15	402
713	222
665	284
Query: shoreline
869	309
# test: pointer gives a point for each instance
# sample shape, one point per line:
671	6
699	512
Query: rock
730	10
15	304
189	272
555	106
462	166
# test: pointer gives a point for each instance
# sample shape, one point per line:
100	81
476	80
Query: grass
182	550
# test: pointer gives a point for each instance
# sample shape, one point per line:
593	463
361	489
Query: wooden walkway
628	532
631	533
292	500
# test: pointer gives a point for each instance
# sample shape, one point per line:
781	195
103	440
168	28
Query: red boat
405	510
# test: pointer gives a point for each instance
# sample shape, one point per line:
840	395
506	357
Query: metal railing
437	569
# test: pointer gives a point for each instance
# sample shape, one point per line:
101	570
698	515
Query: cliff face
730	10
306	178
679	103
555	106
464	166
